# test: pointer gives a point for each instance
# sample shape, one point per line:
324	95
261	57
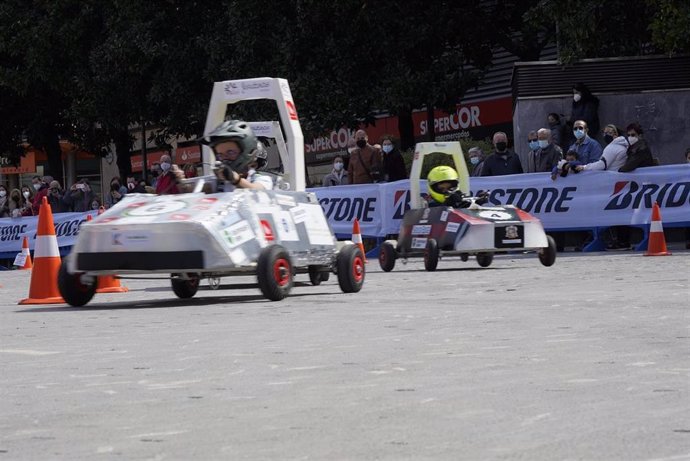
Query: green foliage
670	26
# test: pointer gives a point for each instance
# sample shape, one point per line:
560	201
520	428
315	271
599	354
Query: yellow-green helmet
439	175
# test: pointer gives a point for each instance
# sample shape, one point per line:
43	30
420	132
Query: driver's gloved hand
482	197
457	200
226	172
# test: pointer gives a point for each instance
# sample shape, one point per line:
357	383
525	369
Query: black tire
317	275
274	272
485	259
72	289
547	255
387	257
351	269
431	255
185	288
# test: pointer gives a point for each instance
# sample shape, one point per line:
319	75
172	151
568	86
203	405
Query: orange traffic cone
44	289
27	254
357	238
108	283
657	241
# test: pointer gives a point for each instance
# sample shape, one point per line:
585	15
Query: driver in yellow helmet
442	183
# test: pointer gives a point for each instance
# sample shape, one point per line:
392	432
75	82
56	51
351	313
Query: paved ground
589	359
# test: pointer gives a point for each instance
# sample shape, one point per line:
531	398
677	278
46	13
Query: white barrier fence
578	201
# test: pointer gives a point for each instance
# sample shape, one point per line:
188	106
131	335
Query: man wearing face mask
501	161
170	175
365	161
548	155
588	150
393	162
533	143
337	176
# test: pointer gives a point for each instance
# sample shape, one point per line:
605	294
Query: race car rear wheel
387	256
485	259
73	289
317	275
351	270
274	272
185	288
431	255
547	255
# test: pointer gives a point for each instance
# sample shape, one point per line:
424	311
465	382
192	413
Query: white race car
476	230
272	234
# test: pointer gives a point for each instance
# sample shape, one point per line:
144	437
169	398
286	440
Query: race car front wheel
485	259
431	255
274	272
387	257
547	255
351	271
73	289
185	288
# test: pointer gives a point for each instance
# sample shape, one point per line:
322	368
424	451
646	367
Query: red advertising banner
182	155
27	164
469	121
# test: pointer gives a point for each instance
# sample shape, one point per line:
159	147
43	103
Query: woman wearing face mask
639	154
585	107
4	203
393	162
26	201
337	176
14	203
476	155
117	191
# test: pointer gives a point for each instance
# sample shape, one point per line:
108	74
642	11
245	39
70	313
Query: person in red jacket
170	175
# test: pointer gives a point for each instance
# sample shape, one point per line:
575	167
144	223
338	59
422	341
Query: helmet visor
445	187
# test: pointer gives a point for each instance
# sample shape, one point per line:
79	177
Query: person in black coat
502	161
392	161
585	107
639	154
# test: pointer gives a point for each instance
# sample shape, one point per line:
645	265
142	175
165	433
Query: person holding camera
117	191
55	196
79	197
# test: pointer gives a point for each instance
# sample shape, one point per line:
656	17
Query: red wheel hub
358	269
281	272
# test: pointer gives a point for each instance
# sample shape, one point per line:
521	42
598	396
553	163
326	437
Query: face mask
350	150
633	139
3	193
474	160
130	185
543	143
36	186
579	134
577	97
165	166
338	166
387	148
361	143
608	138
501	146
26	194
534	145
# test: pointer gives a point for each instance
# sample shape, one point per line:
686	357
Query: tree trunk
406	129
123	145
54	153
431	133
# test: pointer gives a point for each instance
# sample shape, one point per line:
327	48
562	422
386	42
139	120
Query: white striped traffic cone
44	288
657	242
357	238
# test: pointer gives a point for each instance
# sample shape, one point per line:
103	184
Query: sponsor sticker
131	239
299	214
444	216
452	227
286	229
421	229
285	200
419	243
238	233
156	208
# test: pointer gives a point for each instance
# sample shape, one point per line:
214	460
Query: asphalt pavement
585	360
